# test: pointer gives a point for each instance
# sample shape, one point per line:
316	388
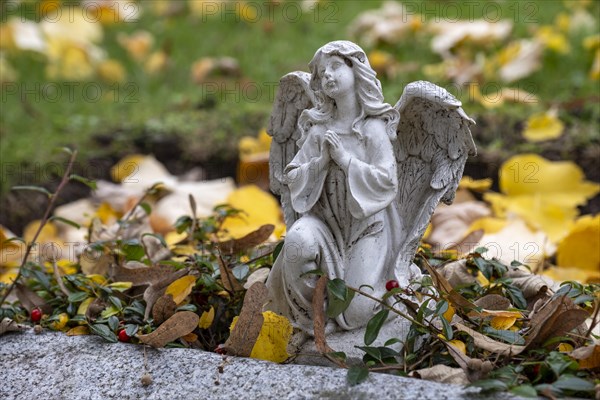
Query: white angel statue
358	179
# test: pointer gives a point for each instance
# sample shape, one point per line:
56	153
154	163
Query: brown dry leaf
230	283
318	303
474	368
446	289
163	309
140	274
30	300
181	288
8	325
450	223
489	344
588	357
95	307
493	302
530	284
443	374
180	324
157	289
248	326
249	241
555	318
190	337
94	262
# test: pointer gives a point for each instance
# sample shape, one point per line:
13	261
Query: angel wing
434	141
293	97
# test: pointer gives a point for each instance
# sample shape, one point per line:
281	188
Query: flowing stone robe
349	226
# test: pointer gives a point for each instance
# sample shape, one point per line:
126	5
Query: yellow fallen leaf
588	357
181	288
592	42
9	275
206	319
96	278
502	323
156	63
111	71
172	238
565	347
63	318
543	126
477	185
65	267
275	334
120	286
48	234
482	280
127	166
459	344
449	313
562	274
488	225
84	305
259	208
553	39
138	44
78	331
579	248
544	193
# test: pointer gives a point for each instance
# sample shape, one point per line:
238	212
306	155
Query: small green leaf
77	297
574	384
133	252
357	375
64	220
187	307
340	355
490	385
447	329
480	250
374	326
392	341
524	391
335	307
115	301
507	336
316	272
337	288
88	182
34	189
104	332
113	323
277	250
146	207
131	329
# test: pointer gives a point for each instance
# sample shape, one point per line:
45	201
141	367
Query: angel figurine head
340	70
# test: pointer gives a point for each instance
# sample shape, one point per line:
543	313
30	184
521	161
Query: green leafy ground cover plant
501	329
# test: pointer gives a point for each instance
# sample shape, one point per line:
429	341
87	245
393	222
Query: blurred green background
113	78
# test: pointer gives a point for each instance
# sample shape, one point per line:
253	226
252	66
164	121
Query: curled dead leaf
489	344
30	300
443	374
178	325
248	326
555	318
8	325
140	274
157	289
163	309
249	241
493	302
588	357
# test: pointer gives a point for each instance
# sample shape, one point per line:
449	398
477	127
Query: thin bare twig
595	320
58	278
44	221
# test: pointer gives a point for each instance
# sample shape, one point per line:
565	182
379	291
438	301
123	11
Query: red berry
393	284
123	336
36	315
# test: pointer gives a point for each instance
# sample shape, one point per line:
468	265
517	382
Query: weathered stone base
55	366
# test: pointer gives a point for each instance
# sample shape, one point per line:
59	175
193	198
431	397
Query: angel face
337	77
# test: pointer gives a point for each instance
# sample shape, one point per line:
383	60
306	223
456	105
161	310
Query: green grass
170	103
